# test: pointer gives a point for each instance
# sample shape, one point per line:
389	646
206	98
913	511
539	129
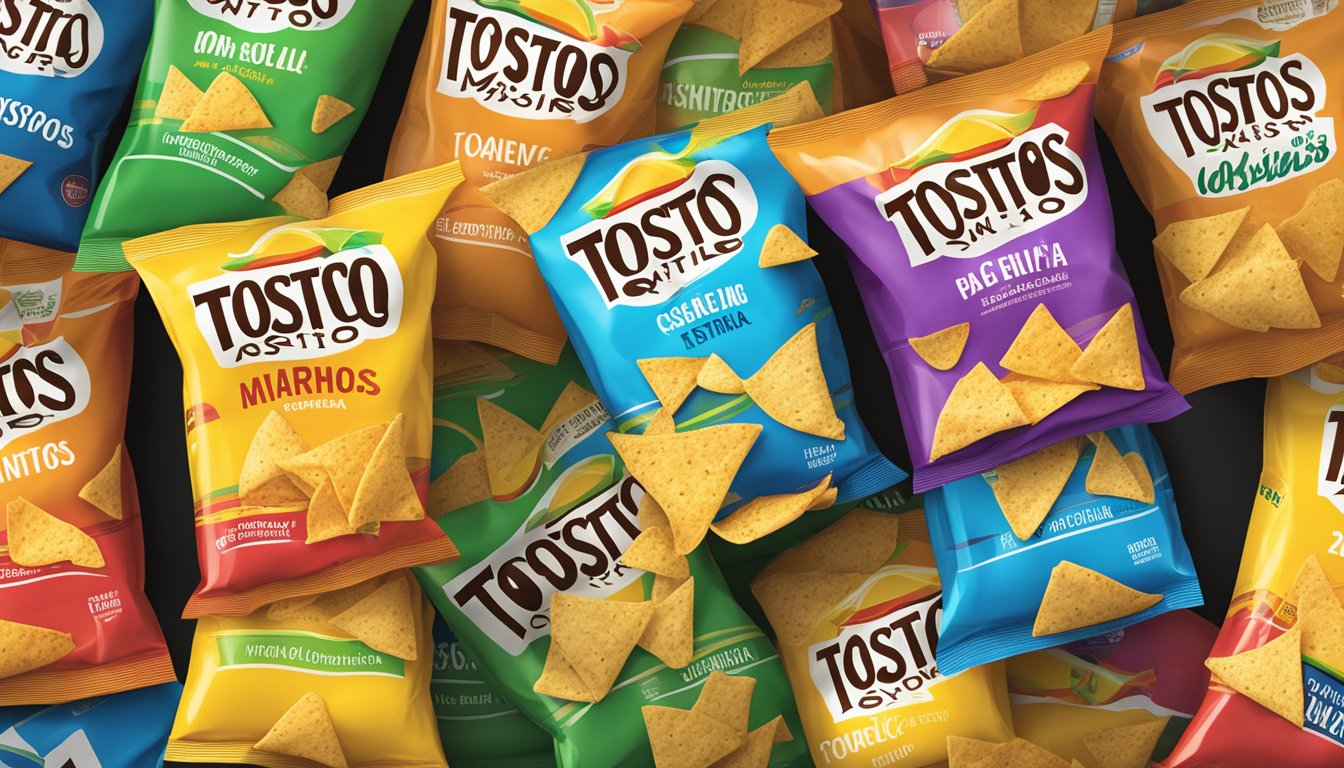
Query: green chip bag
540	505
243	110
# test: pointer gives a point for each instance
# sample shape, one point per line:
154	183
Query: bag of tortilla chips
306	355
980	235
243	110
569	595
126	730
1278	664
503	86
63	79
337	679
74	621
1224	116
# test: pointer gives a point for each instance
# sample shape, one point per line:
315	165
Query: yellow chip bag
307	359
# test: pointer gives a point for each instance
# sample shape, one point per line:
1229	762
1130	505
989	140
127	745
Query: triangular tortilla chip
670	634
104	489
321	173
1142	476
511	448
1058	81
660	423
342	458
1320	615
963	752
723	16
386	492
24	647
689	491
326	517
11	168
464	484
301	197
671	379
36	538
770	26
652	551
859	542
384	621
796	602
178	97
1129	746
727	699
262	482
783	246
296	608
533	196
1315	234
328	112
1079	597
764	515
718	376
966	9
305	731
1112	357
339	600
649	514
1039	398
560	680
1020	753
825	500
684	738
942	349
811	47
597	636
1263	289
978	406
989	39
1270	675
227	105
1111	475
791	387
1047	23
664	586
1194	245
572	399
1028	487
1238	249
1042	349
755	749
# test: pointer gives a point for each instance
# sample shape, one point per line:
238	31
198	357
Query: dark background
1212	451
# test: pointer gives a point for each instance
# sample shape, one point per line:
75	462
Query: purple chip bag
967	203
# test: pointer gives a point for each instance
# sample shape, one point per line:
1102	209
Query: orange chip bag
502	87
1224	114
307	361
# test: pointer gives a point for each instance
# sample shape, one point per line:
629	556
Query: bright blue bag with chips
995	600
125	730
654	260
65	70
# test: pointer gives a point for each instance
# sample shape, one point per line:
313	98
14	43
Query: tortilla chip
783	246
301	197
650	515
533	196
1315	234
1042	349
670	633
1142	476
465	483
384	621
968	8
1129	746
1020	753
684	738
386	492
755	750
1039	398
942	349
321	173
339	600
178	97
262	481
104	489
660	423
1112	357
1079	597
1319	613
1270	675
560	680
326	517
764	515
24	647
689	490
671	378
11	168
791	387
36	538
782	732
723	16
295	608
727	699
770	26
963	752
652	551
1194	245
811	47
1028	487
306	731
597	636
1262	290
572	399
328	112
1047	23
1238	248
1111	475
699	9
825	500
511	448
342	458
718	376
1058	81
978	406
989	39
227	105
796	602
859	542
663	587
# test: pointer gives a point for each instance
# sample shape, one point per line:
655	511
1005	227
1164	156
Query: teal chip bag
243	110
598	652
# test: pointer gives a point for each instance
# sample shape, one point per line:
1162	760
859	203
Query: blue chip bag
125	730
993	583
655	253
65	70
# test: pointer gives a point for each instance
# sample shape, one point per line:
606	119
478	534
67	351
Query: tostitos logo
53	38
264	16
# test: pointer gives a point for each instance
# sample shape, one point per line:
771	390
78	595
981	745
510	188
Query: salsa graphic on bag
981	240
608	657
243	109
74	621
1072	541
306	355
62	80
1278	664
855	609
1223	116
501	87
126	730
